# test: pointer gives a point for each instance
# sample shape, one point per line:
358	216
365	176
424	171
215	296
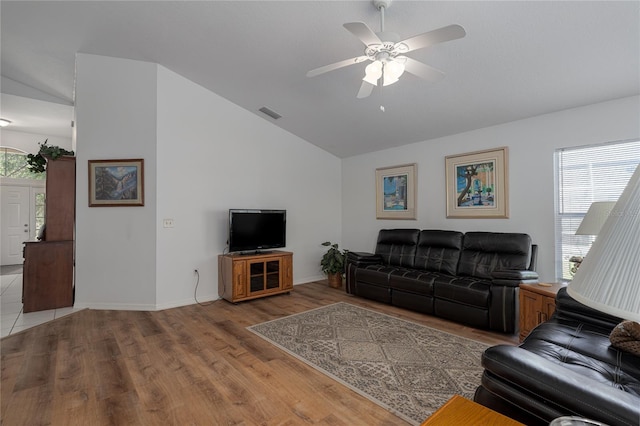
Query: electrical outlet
167	223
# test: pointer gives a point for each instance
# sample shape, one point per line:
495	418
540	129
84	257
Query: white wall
29	142
115	246
213	156
203	155
531	143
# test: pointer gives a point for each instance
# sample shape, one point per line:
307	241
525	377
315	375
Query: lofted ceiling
519	59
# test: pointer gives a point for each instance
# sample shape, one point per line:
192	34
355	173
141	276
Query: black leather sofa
470	278
565	367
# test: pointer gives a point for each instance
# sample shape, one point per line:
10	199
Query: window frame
566	220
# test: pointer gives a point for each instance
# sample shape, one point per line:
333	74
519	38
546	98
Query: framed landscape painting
477	184
396	192
116	183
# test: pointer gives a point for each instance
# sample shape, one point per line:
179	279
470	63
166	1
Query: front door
14	222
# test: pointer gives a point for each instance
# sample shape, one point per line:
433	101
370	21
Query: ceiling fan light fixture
386	53
373	72
392	72
387	81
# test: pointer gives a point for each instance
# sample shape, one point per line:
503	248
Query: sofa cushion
485	252
463	290
375	274
413	281
439	251
586	350
546	389
397	247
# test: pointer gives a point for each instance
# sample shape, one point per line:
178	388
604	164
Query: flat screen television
256	230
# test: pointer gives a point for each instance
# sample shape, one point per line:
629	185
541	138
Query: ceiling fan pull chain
382	92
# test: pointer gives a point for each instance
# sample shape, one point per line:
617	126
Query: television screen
257	229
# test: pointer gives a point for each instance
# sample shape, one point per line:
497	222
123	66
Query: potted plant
37	162
333	263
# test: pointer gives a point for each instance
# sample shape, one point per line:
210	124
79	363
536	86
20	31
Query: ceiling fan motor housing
388	50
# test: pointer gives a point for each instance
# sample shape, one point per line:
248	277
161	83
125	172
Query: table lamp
596	216
591	224
608	279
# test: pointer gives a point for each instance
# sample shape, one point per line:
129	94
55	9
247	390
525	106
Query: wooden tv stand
250	276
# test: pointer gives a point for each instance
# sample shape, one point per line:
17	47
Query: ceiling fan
386	53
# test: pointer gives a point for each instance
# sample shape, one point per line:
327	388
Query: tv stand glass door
264	275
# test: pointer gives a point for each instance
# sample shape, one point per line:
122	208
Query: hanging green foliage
37	162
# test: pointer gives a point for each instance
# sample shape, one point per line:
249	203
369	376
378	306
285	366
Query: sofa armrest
513	278
359	258
567	389
567	308
355	260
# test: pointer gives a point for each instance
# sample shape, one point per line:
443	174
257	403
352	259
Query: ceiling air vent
270	113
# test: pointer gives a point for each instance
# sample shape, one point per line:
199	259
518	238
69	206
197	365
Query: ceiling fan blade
363	32
450	32
422	70
365	90
336	65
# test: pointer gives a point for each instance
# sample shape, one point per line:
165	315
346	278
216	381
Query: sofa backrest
485	252
439	251
397	247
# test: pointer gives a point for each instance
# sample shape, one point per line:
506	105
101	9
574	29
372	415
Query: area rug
407	368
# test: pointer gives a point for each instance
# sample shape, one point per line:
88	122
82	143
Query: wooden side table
461	411
537	304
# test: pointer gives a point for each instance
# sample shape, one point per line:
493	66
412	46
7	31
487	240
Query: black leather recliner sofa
565	367
470	278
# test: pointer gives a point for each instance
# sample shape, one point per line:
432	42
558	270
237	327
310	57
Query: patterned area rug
407	368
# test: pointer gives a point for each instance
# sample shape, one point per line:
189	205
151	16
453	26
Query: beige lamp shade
609	277
596	216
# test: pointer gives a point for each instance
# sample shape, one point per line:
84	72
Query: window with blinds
584	175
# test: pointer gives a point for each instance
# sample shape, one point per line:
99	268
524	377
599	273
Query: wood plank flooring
193	365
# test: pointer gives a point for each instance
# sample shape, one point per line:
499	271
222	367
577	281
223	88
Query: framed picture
116	183
396	192
477	184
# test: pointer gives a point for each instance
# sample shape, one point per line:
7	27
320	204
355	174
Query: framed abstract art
477	184
396	192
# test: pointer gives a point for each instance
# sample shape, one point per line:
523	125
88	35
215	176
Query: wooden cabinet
537	304
60	208
47	275
245	277
48	265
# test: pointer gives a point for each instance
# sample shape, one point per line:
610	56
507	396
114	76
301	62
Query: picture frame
396	192
477	184
116	183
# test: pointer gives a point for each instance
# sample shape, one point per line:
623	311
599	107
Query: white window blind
584	175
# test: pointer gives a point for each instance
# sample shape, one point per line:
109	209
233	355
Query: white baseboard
170	304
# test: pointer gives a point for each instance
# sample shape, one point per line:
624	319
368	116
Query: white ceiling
519	59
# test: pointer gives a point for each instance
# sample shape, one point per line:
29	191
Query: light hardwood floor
193	365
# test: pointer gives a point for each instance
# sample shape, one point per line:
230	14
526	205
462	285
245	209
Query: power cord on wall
195	292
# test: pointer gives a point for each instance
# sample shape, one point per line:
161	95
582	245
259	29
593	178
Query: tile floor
12	319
